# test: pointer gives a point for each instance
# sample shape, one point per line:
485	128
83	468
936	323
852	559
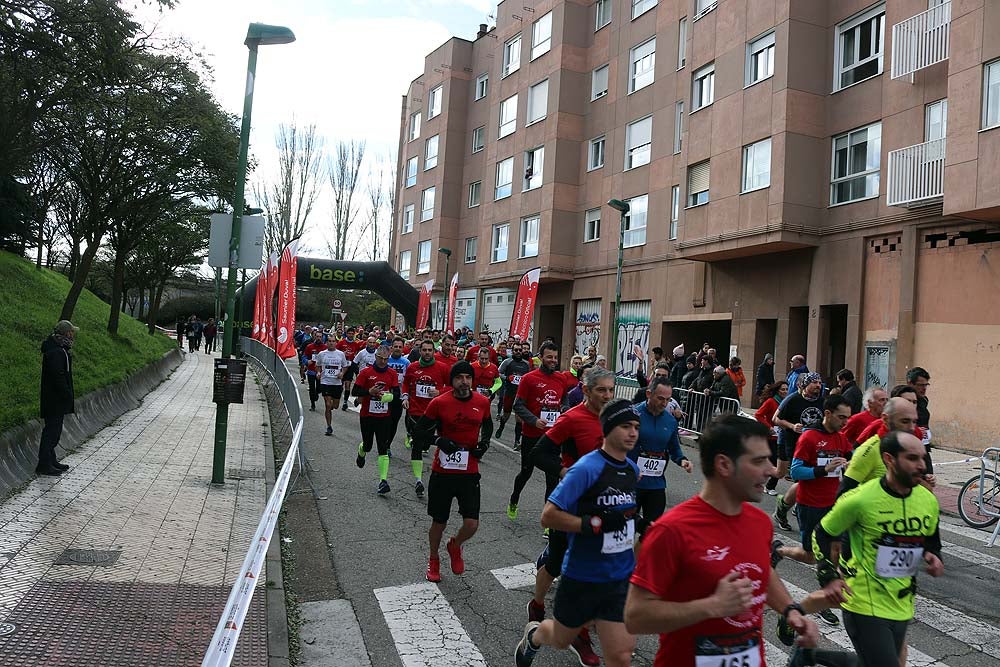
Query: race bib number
718	652
898	557
824	460
549	416
515	380
424	390
620	540
400	378
485	391
651	467
378	408
927	437
330	372
457	461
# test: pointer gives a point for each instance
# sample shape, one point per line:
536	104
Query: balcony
921	41
916	174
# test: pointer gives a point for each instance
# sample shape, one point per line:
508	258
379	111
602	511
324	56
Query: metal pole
618	299
447	292
222	410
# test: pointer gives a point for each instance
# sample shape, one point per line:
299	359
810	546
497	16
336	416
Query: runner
704	572
512	370
329	366
458	422
398	363
373	392
314	347
446	355
472	356
487	376
366	356
798	411
595	504
350	347
423	380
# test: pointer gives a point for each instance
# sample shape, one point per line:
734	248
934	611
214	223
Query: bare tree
289	201
381	197
343	172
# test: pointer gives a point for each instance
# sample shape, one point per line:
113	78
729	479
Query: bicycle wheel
969	508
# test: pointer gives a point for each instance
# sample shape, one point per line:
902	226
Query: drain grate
90	557
245	473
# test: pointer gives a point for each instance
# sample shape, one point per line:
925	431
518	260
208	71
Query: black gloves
447	445
608	521
480	449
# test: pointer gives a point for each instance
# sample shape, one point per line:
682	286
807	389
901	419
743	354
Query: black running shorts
442	488
334	391
579	602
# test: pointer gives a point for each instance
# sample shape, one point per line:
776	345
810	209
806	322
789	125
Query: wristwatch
795	606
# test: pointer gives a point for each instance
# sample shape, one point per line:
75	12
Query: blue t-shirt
658	439
399	365
592	485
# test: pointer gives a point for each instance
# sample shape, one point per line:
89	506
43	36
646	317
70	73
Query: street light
623	208
257	34
447	285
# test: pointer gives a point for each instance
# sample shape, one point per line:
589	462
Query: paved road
379	544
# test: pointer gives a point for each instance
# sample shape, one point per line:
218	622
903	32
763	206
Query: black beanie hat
461	367
617	412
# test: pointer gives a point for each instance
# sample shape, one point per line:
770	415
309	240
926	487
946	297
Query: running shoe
781	515
361	456
418	489
771	492
536	612
542	559
434	569
785	633
545	533
583	649
517	446
383	487
512	511
525	652
828	617
388	452
455	554
329	430
775	556
344	406
500	431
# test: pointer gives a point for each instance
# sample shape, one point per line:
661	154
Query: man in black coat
56	399
849	390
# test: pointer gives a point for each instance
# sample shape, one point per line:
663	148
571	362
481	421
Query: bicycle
979	499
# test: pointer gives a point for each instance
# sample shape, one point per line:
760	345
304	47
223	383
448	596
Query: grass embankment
30	301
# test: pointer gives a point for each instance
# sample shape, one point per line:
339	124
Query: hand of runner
805	628
686	465
835	463
935	567
406	404
836	592
929	481
797	428
541	424
733	596
447	445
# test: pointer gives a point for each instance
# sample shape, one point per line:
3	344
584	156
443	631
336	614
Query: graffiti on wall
633	337
588	325
876	365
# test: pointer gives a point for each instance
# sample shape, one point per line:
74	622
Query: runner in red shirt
350	346
317	345
704	572
874	401
484	342
446	355
487	376
424	379
373	392
459	423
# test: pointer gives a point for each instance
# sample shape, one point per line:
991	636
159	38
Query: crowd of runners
699	574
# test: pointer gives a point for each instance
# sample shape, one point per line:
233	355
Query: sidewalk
128	558
951	478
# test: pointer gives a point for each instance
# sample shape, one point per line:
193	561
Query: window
533	166
682	38
427	204
638	139
408	212
475	193
603	14
936	120
856	162
702	7
859	43
508	116
500	238
431	152
529	236
471	245
423	257
757	165
599	82
434	102
595	159
511	56
991	94
703	87
678	127
478	139
411	171
592	225
760	59
635	221
404	264
541	36
642	62
538	101
505	177
414	126
482	85
698	177
640	7
675	211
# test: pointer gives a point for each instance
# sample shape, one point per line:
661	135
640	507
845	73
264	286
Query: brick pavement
139	492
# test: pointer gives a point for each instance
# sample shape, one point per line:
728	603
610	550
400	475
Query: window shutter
698	177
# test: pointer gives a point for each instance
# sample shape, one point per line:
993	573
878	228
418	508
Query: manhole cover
91	557
245	473
7	629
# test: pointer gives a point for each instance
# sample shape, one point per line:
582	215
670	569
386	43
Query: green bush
185	307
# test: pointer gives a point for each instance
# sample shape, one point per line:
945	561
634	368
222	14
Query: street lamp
447	285
623	208
257	34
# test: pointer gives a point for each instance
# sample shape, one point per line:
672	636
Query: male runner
398	363
329	366
373	392
366	356
797	412
487	376
315	346
874	401
595	504
704	571
350	346
461	421
512	370
484	343
446	355
422	381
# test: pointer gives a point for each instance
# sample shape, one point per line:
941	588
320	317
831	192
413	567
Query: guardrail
916	173
699	408
223	645
921	41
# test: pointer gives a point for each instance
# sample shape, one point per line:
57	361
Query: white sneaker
771	492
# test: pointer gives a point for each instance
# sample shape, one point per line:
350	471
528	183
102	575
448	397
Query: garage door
498	307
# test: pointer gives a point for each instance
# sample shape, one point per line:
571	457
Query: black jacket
724	387
852	394
765	376
56	396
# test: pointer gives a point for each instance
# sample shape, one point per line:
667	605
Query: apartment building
803	177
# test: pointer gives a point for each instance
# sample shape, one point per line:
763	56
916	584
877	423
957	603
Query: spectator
210	331
56	397
180	332
735	373
798	364
920	379
722	385
692	373
706	376
765	375
849	390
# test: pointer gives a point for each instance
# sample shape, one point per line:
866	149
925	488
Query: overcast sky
346	72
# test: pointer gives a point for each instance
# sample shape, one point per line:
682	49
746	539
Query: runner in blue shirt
398	363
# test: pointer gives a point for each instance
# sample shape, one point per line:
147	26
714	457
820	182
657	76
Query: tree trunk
154	308
84	262
41	242
117	294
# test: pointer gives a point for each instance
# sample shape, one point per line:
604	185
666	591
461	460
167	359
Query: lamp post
257	34
447	285
623	208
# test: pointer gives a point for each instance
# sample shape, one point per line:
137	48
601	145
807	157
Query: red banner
271	285
424	305
286	301
452	297
524	305
258	303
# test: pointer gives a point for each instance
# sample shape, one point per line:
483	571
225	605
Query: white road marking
500	444
977	634
516	576
425	628
966	531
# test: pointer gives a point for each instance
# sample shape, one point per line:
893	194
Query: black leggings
528	467
377	429
652	502
877	641
416	446
395	413
313	389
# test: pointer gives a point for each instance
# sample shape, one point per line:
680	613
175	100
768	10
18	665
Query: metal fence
698	407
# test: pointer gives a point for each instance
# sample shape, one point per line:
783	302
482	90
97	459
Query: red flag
524	305
271	282
258	301
424	304
452	297
286	301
